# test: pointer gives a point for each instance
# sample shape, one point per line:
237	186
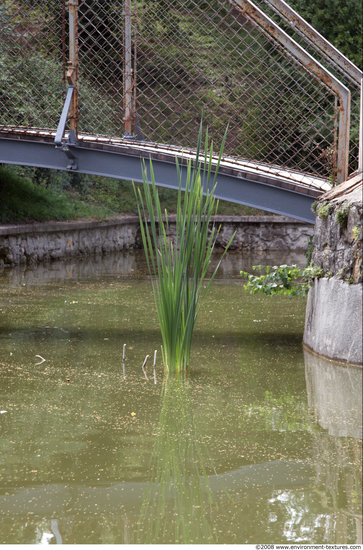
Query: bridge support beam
120	165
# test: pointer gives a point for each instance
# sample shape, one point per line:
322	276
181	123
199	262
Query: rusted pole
360	156
127	76
72	74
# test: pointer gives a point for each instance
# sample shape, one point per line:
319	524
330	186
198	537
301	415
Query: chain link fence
152	69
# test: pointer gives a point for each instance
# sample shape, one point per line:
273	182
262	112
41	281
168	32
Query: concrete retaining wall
47	241
333	322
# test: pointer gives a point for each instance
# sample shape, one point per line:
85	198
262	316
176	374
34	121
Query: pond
260	443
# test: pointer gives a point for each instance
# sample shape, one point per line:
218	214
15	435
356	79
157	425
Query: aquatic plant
179	269
281	279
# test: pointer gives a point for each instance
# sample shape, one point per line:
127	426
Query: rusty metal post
343	137
360	154
127	70
72	73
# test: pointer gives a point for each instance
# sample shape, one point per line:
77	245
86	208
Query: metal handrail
295	20
249	10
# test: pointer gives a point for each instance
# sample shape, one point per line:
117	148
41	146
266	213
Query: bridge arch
253	184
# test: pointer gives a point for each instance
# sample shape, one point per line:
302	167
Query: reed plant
179	269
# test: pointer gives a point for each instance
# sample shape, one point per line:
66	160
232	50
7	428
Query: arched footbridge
150	73
244	182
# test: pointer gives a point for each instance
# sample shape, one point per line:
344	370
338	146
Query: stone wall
333	322
48	241
337	248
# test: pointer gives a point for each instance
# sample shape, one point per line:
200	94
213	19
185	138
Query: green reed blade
178	269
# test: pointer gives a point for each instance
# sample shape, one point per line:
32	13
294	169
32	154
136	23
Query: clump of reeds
178	270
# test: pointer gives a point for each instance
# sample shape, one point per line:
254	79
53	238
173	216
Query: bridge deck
267	187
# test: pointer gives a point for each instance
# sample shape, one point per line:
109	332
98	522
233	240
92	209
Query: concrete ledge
30	243
333	322
51	226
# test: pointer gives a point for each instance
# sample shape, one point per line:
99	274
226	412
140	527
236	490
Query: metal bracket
63	118
73	162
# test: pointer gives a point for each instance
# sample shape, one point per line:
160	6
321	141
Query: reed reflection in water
177	499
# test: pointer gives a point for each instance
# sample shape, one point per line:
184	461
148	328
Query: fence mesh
189	60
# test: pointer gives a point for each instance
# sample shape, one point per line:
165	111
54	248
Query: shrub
312	272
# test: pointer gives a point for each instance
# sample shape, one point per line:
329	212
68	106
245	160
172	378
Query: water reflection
177	500
131	264
335	394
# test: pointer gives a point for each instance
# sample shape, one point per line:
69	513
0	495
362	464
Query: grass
23	200
73	195
180	268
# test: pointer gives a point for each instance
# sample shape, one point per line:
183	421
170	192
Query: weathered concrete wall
47	241
333	322
37	242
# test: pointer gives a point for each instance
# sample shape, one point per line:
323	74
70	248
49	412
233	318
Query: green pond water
261	443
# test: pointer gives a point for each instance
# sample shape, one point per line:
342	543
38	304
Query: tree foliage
339	21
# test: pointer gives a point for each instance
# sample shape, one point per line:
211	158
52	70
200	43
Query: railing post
360	156
72	74
343	138
127	76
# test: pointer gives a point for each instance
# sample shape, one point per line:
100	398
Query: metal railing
151	70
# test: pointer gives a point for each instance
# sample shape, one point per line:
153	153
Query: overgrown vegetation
96	196
341	215
324	210
357	232
339	21
284	279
